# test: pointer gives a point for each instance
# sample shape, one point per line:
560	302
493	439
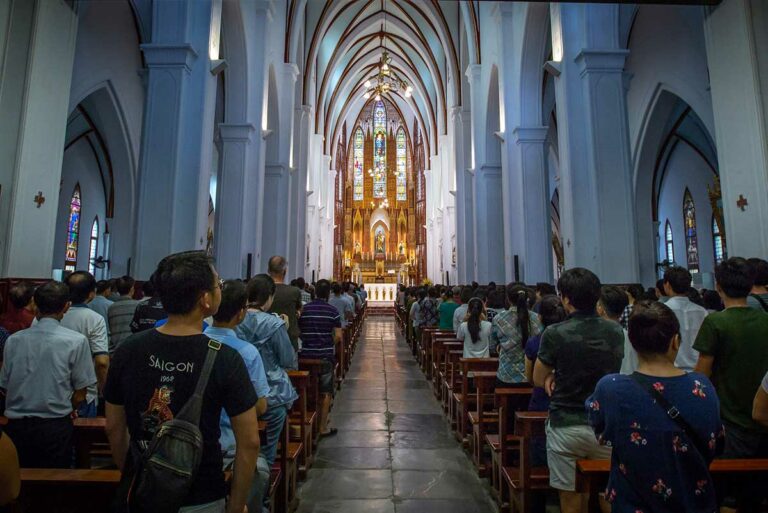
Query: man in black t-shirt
155	372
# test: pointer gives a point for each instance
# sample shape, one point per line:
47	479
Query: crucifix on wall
39	199
742	202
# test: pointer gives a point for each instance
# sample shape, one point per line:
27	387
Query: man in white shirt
613	301
80	318
677	281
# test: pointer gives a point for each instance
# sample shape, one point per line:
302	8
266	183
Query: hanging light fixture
386	80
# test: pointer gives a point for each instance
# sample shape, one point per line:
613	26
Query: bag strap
761	301
673	413
191	410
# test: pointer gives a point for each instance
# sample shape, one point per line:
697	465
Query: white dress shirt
690	316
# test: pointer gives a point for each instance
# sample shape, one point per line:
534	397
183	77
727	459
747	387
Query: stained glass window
379	150
717	241
73	231
668	242
358	165
94	249
401	166
691	240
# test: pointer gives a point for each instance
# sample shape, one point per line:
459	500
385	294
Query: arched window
668	243
357	177
717	241
401	166
93	252
379	150
691	240
73	231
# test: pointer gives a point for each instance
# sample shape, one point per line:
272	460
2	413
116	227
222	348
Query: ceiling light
378	97
386	81
367	84
367	95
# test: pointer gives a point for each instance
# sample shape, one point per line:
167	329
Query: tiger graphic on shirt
158	410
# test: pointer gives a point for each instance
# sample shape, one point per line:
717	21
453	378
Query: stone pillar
176	142
38	49
596	198
530	225
298	227
234	185
738	70
277	205
465	235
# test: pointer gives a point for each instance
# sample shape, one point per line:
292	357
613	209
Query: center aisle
394	451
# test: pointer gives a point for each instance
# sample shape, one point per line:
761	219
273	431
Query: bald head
277	267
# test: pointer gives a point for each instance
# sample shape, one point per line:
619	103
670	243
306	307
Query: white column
37	58
465	247
298	229
736	66
530	224
176	140
596	199
234	188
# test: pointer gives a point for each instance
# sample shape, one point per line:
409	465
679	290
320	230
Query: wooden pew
484	418
298	446
465	399
592	475
520	479
453	368
445	373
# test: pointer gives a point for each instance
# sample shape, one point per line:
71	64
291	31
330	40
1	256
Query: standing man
320	325
80	318
149	310
155	372
677	282
758	298
733	353
21	311
101	303
287	300
45	374
574	355
342	303
121	312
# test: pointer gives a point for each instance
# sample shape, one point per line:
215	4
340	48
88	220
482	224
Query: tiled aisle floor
394	451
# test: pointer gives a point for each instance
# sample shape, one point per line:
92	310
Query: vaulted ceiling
343	43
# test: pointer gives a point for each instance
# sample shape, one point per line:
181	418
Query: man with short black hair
80	318
21	311
100	303
613	301
758	297
342	303
574	355
302	286
154	373
677	284
733	353
287	300
121	312
45	374
232	311
149	310
320	325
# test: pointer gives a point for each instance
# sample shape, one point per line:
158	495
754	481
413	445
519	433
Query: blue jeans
275	419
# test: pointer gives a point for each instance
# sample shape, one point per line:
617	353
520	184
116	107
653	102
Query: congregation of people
81	348
660	380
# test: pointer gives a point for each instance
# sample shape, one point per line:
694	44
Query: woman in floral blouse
656	466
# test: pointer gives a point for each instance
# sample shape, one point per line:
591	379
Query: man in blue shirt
234	304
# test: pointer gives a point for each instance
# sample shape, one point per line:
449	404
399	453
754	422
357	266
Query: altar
381	293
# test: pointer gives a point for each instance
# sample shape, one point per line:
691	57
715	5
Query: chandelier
382	204
386	81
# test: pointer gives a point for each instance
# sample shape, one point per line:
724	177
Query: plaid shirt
624	319
507	336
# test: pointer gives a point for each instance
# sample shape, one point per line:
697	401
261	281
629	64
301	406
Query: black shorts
327	378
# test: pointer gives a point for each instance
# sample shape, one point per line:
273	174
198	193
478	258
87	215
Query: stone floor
394	451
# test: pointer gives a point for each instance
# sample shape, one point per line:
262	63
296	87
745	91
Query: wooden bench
465	399
592	475
519	478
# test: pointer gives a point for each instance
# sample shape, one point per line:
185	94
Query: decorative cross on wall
39	199
742	202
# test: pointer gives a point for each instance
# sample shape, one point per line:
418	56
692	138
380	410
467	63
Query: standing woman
511	330
475	331
660	462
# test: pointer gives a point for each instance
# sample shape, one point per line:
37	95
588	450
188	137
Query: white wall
686	168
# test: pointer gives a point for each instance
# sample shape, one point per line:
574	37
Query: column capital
473	71
610	60
530	134
290	70
233	132
169	55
